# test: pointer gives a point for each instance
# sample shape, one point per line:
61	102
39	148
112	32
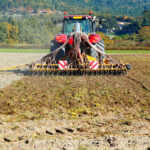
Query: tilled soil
71	135
101	112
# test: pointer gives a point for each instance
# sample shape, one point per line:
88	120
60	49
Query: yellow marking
77	17
46	65
41	64
91	58
105	64
14	67
105	61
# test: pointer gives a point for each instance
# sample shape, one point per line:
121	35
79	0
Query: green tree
146	18
109	23
124	7
3	33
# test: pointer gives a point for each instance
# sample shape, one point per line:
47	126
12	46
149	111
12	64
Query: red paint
61	38
94	38
71	41
65	13
90	13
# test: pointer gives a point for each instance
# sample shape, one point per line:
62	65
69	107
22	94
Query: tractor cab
87	26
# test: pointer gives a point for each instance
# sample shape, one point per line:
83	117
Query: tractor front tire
99	45
54	46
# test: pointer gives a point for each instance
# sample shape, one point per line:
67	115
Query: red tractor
78	50
87	25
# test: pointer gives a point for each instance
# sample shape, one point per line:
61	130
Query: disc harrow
103	69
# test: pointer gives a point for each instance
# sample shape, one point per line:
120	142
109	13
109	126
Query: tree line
30	29
124	7
41	29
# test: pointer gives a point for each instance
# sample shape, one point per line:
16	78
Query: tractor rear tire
99	45
54	46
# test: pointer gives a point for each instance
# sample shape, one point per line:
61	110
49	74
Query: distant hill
116	7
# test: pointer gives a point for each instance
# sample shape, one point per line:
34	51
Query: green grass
47	51
24	50
126	51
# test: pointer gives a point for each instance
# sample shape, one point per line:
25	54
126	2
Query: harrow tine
43	73
47	73
78	72
98	72
111	72
53	73
59	73
64	72
32	73
37	73
71	72
125	72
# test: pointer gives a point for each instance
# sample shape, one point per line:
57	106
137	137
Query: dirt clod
48	132
81	129
111	141
70	130
7	140
20	138
59	131
128	123
26	141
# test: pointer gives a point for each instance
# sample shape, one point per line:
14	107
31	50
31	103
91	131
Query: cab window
69	26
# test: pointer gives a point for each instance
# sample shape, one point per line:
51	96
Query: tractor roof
77	17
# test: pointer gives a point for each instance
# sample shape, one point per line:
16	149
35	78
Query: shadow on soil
19	72
27	72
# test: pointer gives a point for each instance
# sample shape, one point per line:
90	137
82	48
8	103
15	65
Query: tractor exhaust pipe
77	28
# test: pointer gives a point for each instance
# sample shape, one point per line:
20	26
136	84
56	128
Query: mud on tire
99	45
54	45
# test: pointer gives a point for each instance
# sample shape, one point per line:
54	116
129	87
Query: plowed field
95	106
